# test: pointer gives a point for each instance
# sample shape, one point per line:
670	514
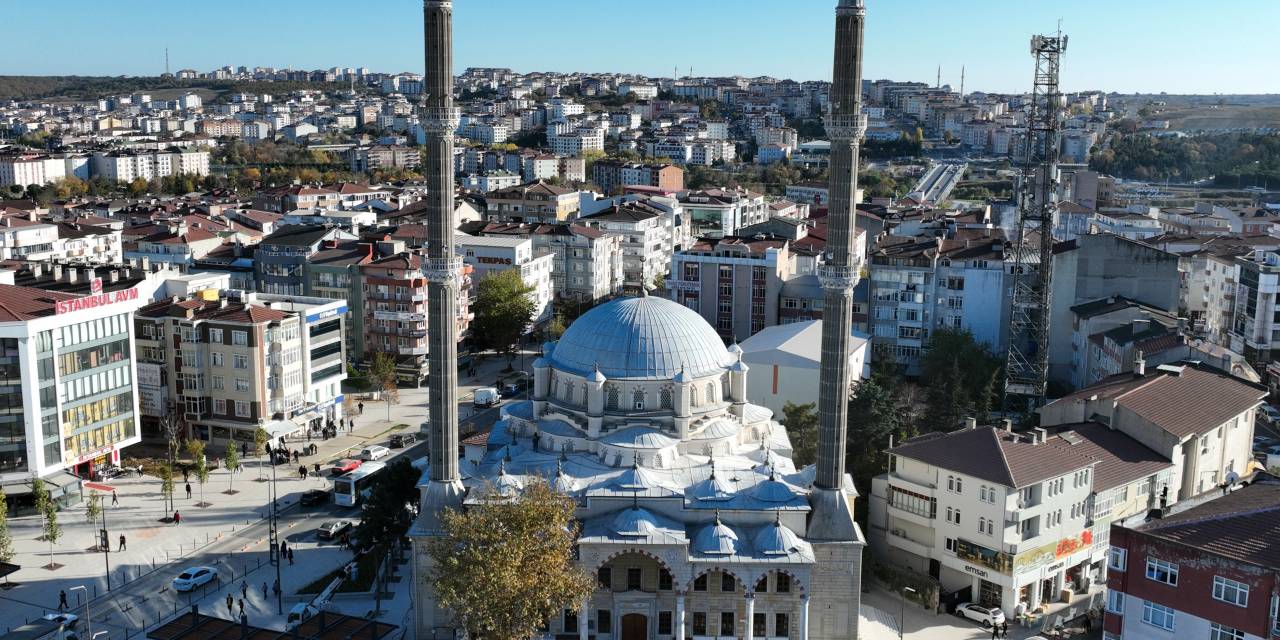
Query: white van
487	397
374	452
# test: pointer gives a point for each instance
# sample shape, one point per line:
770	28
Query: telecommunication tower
1027	366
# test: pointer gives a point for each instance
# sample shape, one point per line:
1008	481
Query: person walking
186	477
122	543
241	603
1004	628
244	588
302	471
230	603
291	556
188	490
115	500
62	600
177	518
360	406
264	589
995	632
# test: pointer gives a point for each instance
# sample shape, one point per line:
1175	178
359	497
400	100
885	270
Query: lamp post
88	618
275	542
106	548
902	611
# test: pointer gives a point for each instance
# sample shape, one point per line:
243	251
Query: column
584	613
749	617
804	617
679	616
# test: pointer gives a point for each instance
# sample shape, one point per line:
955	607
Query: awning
280	428
98	486
306	417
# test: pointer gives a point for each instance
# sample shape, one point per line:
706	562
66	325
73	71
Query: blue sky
1177	46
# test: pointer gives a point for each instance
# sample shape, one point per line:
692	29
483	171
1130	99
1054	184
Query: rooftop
1240	525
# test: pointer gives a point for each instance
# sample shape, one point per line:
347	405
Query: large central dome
648	338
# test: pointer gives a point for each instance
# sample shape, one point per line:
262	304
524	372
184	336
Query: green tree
506	565
232	460
556	327
195	449
961	376
946	402
801	421
93	508
138	187
385	515
48	508
503	311
166	485
6	540
382	371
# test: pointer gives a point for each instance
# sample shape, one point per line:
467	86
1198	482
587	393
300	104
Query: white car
68	620
982	615
194	577
487	397
374	452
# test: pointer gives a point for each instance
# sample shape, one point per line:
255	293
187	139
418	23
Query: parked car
374	452
515	388
1269	414
346	465
982	615
487	397
402	440
194	577
314	497
332	529
67	620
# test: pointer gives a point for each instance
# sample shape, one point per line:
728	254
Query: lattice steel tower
1027	367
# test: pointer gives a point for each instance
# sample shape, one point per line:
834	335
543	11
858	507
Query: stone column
738	386
583	616
804	617
679	615
749	618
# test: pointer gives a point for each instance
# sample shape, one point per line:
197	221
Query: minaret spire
832	515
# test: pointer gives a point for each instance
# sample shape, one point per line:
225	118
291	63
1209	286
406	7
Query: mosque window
568	392
728	582
693	395
711	392
555	385
724	386
666	398
637	399
584	395
700	583
615	398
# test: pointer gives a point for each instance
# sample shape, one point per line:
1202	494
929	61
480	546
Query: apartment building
127	166
1206	571
717	213
645	231
489	255
1012	520
383	156
586	265
532	202
921	284
1210	277
1107	335
226	363
612	175
1255	323
734	283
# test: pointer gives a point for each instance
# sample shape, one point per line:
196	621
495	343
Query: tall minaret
442	489
832	515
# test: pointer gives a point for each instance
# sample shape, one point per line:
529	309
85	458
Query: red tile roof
19	304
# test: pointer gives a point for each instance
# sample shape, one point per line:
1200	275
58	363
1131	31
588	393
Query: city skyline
1107	51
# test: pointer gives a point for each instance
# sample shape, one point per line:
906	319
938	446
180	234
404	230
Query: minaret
442	489
832	515
442	266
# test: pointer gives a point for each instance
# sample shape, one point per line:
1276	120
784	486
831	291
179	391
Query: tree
166	485
385	514
48	509
260	438
556	327
503	311
93	508
504	566
946	402
961	377
138	187
232	460
195	449
382	371
6	540
801	421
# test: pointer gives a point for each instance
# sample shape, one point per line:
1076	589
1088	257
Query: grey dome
648	338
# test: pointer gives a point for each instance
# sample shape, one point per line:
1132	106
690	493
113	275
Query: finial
502	467
713	469
777	518
559	469
717	517
635	502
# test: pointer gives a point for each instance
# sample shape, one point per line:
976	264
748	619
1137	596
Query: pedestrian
177	518
291	556
264	589
244	588
188	490
360	407
230	603
1004	628
284	548
267	447
302	471
122	543
241	607
995	632
317	469
62	601
115	500
244	450
275	586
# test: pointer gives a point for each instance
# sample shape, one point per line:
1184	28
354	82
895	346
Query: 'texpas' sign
100	300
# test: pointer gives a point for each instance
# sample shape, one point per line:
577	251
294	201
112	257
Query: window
215	336
242	385
242	409
1157	615
783	582
664	580
216	358
1117	558
604	621
604	577
762	585
219	407
1230	591
726	623
759	622
781	625
700	583
217	382
728	582
240	361
699	623
1162	571
951	545
664	623
635	576
1220	632
240	338
1115	601
953	515
986	525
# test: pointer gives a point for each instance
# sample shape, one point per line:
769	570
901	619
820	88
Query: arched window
724	386
711	392
568	392
585	394
693	395
637	398
555	385
665	398
614	397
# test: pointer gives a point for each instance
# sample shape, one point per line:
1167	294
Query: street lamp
274	539
902	611
88	617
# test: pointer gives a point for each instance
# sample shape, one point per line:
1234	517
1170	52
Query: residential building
587	262
532	202
177	244
489	255
1210	278
127	166
717	213
646	236
612	175
383	156
281	258
1255	323
734	283
1107	335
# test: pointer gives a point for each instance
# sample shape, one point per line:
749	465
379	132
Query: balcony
904	482
399	316
899	538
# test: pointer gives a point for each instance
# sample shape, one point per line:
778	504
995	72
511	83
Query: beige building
536	201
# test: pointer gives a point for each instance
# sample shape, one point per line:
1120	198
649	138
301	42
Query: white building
126	166
784	363
491	254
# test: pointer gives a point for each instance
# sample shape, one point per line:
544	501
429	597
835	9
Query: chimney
37	270
71	275
1139	364
1040	435
113	275
57	272
1007	425
970	423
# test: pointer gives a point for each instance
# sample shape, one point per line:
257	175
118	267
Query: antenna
938	84
166	61
961	82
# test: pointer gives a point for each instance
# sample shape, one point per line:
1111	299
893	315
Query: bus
352	487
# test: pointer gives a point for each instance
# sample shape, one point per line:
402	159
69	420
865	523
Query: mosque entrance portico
635	626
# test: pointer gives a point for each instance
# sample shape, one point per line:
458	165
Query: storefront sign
982	556
1048	553
149	374
92	302
488	260
976	571
327	313
99	453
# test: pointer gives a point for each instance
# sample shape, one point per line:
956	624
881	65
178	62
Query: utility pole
166	61
106	548
273	538
1027	365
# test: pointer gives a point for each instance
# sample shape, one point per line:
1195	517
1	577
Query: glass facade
13	440
95	387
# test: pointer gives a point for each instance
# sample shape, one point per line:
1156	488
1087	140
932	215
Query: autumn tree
48	509
166	485
93	508
382	371
195	449
232	459
505	565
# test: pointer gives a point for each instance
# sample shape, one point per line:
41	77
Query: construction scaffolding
1027	366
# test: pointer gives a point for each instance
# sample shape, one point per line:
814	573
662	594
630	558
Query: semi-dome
634	522
716	540
777	540
647	338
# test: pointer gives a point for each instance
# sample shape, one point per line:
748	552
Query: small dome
634	522
716	540
734	348
776	540
639	438
683	377
541	363
712	489
640	338
719	428
563	482
739	367
773	490
597	377
505	484
638	478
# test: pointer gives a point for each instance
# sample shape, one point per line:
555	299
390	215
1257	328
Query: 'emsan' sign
100	300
